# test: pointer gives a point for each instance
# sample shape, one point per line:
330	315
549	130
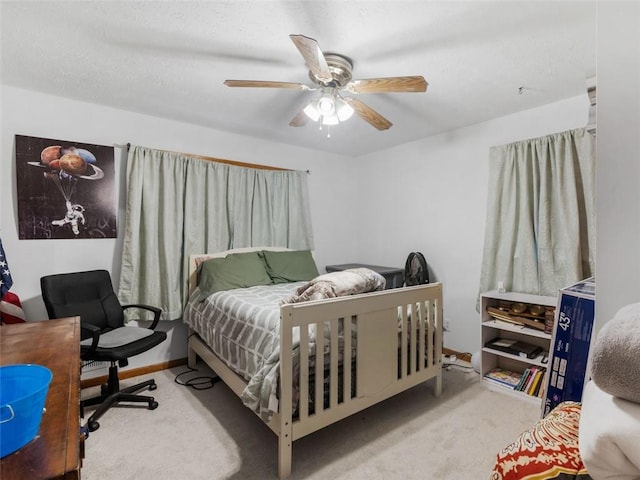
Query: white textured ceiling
169	59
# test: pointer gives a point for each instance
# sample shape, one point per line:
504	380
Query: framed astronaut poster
65	189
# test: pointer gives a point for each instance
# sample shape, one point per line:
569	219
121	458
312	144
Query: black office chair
104	335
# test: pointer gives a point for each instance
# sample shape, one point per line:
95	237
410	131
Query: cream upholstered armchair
597	438
610	420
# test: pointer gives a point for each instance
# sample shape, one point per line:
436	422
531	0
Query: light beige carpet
210	435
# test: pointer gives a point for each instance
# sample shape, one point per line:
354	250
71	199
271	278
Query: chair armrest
156	312
95	337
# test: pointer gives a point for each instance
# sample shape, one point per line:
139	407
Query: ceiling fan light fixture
327	104
330	119
312	111
343	110
330	109
331	73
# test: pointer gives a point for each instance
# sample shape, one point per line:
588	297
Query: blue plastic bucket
23	392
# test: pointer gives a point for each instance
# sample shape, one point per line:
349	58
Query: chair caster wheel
93	426
153	386
153	405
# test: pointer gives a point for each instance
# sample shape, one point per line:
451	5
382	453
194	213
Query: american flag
10	305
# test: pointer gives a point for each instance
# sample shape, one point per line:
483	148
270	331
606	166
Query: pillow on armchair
610	420
609	433
549	450
618	343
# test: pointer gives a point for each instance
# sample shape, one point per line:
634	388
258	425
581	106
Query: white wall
430	196
618	150
432	193
427	196
39	115
439	186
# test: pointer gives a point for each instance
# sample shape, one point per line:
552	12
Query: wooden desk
57	450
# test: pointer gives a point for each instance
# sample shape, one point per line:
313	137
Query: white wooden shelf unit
493	328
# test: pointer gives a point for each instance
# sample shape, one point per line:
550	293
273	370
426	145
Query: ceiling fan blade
368	114
265	84
313	57
300	120
388	85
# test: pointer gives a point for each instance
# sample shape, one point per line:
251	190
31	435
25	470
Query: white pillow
609	435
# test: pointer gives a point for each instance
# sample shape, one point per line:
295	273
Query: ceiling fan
331	75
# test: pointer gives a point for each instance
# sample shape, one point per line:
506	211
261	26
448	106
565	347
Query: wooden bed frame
384	366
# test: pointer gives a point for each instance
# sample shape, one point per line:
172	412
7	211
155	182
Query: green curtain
540	225
178	205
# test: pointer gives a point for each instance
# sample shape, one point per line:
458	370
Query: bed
395	344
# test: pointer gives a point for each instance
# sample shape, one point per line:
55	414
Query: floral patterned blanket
547	451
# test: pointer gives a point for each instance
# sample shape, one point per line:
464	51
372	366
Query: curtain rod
228	162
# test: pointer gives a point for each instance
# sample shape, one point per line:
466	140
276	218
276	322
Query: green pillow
290	266
237	270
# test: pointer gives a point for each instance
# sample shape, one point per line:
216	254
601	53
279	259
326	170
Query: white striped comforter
242	327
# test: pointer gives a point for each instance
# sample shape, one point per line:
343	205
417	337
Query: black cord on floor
197	383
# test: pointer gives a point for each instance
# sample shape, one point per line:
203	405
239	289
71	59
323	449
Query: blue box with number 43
570	344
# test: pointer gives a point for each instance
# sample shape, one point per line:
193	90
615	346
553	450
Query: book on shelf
533	390
531	380
541	390
503	377
498	382
514	347
523	380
